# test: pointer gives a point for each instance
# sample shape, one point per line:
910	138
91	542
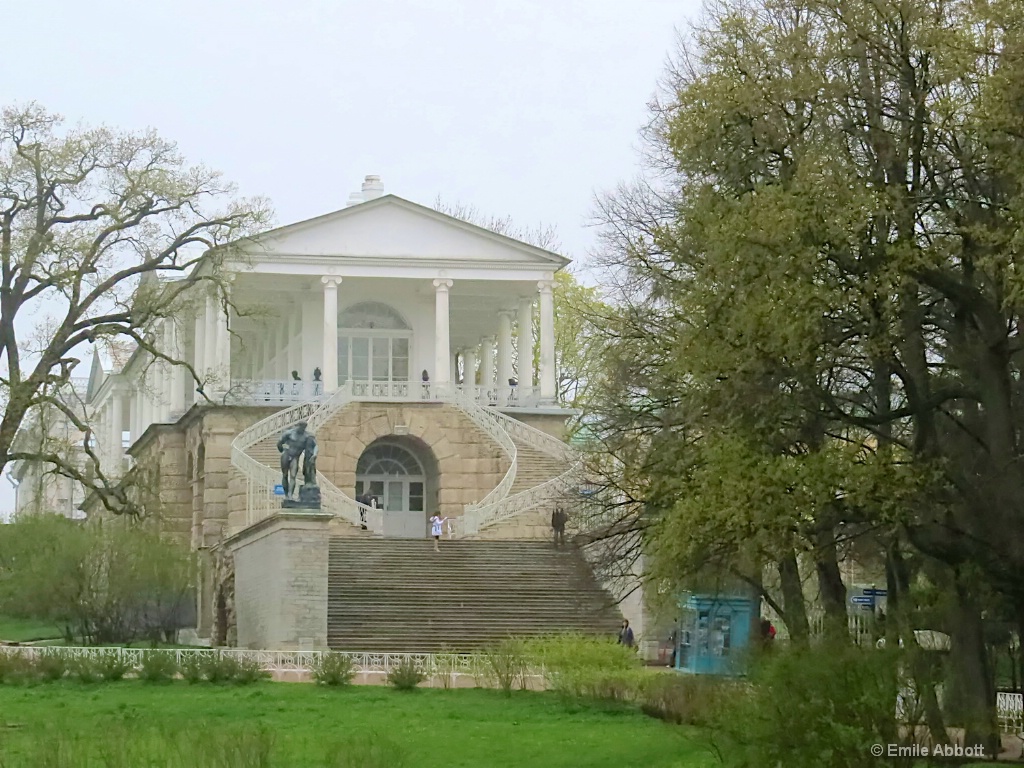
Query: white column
133	414
165	371
504	347
101	429
330	364
178	373
524	345
222	363
469	366
487	363
117	429
442	352
307	336
548	385
210	336
294	343
199	350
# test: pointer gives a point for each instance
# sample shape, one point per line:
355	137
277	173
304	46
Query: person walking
558	518
626	634
436	523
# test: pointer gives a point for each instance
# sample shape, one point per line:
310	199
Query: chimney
372	188
354	199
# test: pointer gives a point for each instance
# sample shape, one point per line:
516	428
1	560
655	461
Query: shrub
250	671
51	665
333	669
158	667
506	663
85	669
16	669
191	667
112	665
220	667
406	676
445	667
581	666
813	707
685	699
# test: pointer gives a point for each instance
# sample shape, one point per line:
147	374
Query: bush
51	665
581	666
816	707
685	699
507	663
16	669
158	667
406	676
219	667
250	671
84	669
112	665
191	667
333	669
445	667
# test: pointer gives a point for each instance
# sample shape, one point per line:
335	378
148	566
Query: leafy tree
115	580
817	349
100	235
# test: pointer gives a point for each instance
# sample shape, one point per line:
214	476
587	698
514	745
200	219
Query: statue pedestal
309	498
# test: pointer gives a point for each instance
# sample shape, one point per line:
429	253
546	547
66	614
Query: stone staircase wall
401	596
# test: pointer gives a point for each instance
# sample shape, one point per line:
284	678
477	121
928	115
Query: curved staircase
542	469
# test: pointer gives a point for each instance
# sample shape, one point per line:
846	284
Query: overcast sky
518	107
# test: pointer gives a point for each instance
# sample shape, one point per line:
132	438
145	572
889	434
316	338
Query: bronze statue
291	446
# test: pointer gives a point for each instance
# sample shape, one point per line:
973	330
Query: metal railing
290	392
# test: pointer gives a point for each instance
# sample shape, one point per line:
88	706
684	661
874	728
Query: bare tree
101	234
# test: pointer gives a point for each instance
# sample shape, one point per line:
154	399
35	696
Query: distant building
393	330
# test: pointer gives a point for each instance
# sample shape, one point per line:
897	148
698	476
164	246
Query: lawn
23	630
307	725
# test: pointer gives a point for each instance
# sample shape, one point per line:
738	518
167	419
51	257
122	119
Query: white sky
519	107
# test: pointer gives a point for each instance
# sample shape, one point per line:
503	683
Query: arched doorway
398	475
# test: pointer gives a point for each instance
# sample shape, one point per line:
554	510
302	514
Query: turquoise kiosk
714	632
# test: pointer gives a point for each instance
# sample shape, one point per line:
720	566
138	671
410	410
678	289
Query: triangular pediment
396	229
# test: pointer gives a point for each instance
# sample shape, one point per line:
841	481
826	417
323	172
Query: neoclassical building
419	349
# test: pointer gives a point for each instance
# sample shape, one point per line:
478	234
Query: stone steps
390	595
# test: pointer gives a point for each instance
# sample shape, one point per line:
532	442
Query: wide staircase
401	596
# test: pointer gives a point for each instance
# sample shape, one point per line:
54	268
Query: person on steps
558	518
436	522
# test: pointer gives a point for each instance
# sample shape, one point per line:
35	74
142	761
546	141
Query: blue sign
862	600
279	490
875	592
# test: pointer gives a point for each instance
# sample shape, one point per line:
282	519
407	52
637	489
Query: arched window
373	343
393	475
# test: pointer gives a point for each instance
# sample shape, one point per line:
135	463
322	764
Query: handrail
498	505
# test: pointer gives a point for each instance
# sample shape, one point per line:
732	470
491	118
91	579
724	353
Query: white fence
454	665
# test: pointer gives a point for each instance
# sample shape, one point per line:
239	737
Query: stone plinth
281	581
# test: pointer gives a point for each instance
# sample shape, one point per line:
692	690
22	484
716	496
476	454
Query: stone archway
400	473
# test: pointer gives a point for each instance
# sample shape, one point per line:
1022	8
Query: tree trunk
831	586
970	661
793	601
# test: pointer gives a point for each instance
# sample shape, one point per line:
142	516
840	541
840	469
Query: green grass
307	725
23	630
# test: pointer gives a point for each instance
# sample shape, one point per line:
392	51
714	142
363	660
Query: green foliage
821	707
85	669
686	699
333	669
157	667
220	667
406	675
16	669
583	666
507	663
112	665
250	671
109	582
445	667
191	668
52	665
